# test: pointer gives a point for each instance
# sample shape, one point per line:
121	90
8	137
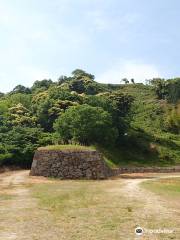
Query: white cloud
129	69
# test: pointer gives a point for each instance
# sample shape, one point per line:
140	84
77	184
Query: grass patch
58	197
67	147
119	157
95	210
168	186
4	197
87	209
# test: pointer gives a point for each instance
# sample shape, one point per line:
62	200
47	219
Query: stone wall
82	164
69	164
123	170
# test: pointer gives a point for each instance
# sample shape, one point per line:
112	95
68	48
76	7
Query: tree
83	82
3	107
125	80
20	116
21	89
80	74
63	79
132	81
86	124
160	86
173	119
23	98
42	113
42	85
167	89
173	90
121	103
1	94
59	107
18	145
78	86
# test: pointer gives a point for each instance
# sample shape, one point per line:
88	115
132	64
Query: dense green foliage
87	125
130	123
167	89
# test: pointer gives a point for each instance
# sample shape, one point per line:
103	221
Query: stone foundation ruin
82	164
70	164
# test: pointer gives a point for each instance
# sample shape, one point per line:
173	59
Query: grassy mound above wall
67	147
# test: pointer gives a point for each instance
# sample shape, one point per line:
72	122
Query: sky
112	39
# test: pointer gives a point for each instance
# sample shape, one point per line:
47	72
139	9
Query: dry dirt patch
39	208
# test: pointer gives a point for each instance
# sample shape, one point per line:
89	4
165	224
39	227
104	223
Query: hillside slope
149	140
132	124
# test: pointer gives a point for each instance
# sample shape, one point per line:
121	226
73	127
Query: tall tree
86	124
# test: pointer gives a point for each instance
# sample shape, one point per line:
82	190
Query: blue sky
112	39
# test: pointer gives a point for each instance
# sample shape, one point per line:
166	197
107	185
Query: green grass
169	187
67	147
120	157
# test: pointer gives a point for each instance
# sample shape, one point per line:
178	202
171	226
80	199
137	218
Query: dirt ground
22	218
